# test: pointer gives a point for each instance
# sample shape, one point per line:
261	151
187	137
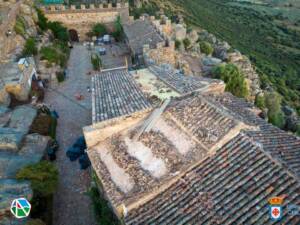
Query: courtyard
71	204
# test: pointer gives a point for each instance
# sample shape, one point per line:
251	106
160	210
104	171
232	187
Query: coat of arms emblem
275	208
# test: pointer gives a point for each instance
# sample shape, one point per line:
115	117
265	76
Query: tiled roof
182	136
231	187
141	32
115	94
282	145
180	82
202	120
209	159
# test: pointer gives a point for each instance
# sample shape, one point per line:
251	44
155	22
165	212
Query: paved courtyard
115	55
72	206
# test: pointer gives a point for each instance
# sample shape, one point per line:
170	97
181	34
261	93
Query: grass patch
20	26
54	55
104	214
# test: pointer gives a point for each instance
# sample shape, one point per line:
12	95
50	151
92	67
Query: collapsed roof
206	159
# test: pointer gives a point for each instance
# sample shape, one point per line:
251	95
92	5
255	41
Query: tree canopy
234	79
99	29
273	104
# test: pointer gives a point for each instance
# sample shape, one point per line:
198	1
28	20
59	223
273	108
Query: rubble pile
141	178
163	148
203	120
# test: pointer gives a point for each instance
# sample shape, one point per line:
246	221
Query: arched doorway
73	35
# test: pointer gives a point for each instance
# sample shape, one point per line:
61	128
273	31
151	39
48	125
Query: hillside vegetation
266	34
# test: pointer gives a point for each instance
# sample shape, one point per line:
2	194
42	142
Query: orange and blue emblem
275	208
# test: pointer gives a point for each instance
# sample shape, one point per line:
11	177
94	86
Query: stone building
16	79
202	157
115	97
81	20
139	33
201	161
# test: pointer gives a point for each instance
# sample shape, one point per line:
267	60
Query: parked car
106	39
102	51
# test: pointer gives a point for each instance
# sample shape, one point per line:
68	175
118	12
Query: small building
115	96
139	33
16	78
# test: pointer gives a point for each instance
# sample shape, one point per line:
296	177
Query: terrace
185	84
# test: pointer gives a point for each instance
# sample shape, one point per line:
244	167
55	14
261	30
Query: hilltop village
167	141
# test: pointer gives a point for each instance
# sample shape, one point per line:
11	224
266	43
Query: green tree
42	20
206	48
234	79
273	104
260	101
59	31
118	29
99	29
30	48
186	43
43	177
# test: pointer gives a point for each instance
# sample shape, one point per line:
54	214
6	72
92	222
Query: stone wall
97	133
162	54
84	18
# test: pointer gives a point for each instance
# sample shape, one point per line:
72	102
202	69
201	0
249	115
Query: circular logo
20	208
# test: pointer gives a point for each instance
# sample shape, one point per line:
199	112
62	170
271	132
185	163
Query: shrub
96	61
20	26
273	104
206	48
260	101
29	48
234	79
277	119
53	55
104	214
43	177
41	124
186	43
177	44
99	29
60	76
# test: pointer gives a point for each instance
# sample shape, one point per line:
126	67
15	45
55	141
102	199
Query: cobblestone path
71	204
